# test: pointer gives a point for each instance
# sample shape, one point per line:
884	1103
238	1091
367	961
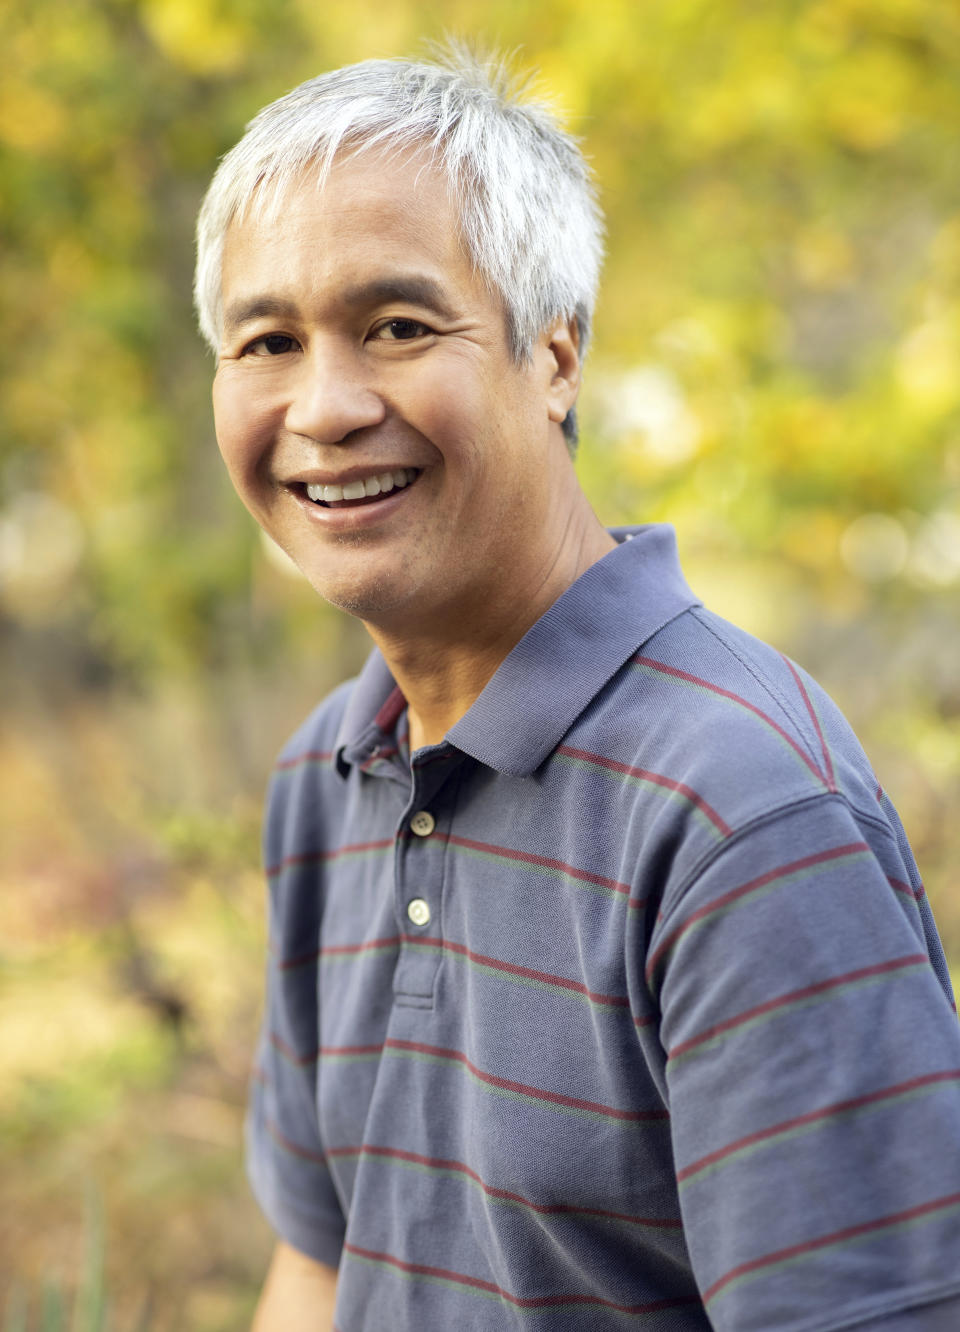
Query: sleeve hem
317	1235
942	1304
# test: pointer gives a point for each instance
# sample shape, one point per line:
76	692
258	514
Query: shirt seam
912	1302
776	813
766	685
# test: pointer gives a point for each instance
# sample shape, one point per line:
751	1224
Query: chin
371	600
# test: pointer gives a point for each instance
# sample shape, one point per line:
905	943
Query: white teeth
372	485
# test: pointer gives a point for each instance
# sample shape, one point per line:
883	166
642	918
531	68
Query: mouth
360	492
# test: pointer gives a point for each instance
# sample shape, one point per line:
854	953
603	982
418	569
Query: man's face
362	354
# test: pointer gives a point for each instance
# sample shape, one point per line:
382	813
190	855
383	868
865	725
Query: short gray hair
528	212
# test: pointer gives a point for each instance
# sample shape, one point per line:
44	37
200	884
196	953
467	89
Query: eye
271	344
400	330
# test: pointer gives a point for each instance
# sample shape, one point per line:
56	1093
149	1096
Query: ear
563	344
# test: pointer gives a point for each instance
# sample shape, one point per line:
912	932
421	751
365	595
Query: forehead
367	214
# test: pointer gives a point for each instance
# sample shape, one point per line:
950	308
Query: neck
443	662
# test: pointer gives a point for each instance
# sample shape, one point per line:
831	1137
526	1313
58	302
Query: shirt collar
557	668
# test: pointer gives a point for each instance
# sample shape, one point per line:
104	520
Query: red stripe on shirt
512	969
734	698
544	862
309	857
837	1237
460	1167
796	996
522	1088
725	899
337	950
827	763
310	756
294	1148
519	1301
655	778
813	1116
899	886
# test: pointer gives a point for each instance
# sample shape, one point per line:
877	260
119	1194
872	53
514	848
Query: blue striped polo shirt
622	1007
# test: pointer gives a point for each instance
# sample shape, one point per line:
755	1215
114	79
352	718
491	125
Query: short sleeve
285	1159
813	1074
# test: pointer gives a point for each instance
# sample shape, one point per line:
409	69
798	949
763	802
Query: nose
332	398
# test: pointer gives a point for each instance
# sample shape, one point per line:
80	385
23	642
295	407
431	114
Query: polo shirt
623	1006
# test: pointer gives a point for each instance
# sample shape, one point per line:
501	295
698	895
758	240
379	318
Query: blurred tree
777	338
775	370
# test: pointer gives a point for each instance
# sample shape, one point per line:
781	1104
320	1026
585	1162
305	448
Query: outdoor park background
776	370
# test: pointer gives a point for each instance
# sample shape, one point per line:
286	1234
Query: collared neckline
557	668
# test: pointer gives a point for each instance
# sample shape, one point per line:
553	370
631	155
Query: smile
381	483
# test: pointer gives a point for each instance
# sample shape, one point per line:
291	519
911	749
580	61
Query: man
603	991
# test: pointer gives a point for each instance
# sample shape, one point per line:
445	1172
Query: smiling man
356	314
603	991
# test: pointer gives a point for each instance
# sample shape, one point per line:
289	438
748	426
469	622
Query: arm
285	1158
298	1295
814	1075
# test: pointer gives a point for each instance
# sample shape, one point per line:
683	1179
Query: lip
347	519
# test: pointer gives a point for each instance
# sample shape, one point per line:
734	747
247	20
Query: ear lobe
564	346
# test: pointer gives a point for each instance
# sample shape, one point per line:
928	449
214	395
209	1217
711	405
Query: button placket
422	824
420	857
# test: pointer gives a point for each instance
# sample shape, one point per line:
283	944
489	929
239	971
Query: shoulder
751	722
765	688
715	732
318	733
304	787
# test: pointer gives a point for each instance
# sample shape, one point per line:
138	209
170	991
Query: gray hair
529	217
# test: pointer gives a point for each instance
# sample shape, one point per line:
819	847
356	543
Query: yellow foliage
805	427
565	85
810	540
927	366
197	34
362	30
824	257
31	118
72	268
945	252
868	108
823	29
59	1022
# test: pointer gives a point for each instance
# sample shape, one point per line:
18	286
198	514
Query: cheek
241	428
459	412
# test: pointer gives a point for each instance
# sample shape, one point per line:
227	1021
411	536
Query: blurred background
776	371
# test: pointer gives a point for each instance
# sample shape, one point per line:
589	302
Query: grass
91	1309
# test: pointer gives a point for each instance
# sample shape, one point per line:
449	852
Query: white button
423	823
419	911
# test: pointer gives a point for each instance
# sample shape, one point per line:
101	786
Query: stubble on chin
370	598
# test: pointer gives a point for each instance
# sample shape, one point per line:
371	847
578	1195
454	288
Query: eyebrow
257	307
415	289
